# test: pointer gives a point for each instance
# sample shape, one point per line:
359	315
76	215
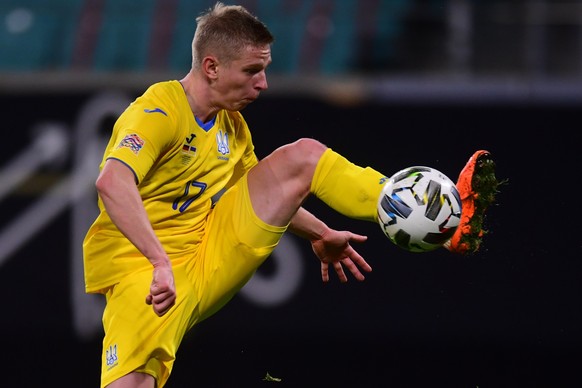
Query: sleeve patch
133	142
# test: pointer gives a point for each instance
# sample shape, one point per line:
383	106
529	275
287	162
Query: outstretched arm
118	191
332	247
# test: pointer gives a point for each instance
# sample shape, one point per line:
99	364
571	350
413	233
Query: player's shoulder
164	89
235	118
232	114
163	97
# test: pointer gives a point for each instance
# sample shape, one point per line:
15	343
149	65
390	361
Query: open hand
334	248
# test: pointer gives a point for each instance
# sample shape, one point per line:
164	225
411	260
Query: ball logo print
419	209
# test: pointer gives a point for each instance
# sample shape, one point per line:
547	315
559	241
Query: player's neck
197	96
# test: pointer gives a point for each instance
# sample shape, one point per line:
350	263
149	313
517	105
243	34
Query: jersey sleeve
142	133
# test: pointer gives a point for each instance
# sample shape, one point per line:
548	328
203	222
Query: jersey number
188	198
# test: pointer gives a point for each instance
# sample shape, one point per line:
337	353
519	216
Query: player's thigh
281	182
236	243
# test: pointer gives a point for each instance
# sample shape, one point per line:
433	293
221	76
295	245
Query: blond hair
224	30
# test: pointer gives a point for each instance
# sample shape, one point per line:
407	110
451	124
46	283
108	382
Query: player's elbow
115	177
103	184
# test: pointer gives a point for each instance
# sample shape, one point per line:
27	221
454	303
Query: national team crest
133	142
222	142
111	356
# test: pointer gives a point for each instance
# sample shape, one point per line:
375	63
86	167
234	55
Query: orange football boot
477	187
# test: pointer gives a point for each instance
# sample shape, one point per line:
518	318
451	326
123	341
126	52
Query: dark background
508	316
441	79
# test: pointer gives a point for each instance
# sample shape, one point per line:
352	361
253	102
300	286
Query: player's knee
298	162
306	152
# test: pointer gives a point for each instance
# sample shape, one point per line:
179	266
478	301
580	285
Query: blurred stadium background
390	83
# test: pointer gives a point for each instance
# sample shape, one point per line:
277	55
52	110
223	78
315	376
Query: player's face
241	81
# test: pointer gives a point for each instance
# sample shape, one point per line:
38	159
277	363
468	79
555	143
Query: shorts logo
133	142
111	356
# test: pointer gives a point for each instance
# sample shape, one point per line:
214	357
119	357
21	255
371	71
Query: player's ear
210	67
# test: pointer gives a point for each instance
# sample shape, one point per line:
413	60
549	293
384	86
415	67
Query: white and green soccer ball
419	209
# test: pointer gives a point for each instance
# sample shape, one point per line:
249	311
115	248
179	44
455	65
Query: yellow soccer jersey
180	167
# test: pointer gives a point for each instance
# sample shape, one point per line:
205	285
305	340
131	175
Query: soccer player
188	212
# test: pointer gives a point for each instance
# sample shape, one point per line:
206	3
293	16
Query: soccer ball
419	209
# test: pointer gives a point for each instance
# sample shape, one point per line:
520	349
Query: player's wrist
162	263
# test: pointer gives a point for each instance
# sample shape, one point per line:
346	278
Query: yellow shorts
235	244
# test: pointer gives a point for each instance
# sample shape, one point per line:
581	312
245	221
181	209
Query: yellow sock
347	188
